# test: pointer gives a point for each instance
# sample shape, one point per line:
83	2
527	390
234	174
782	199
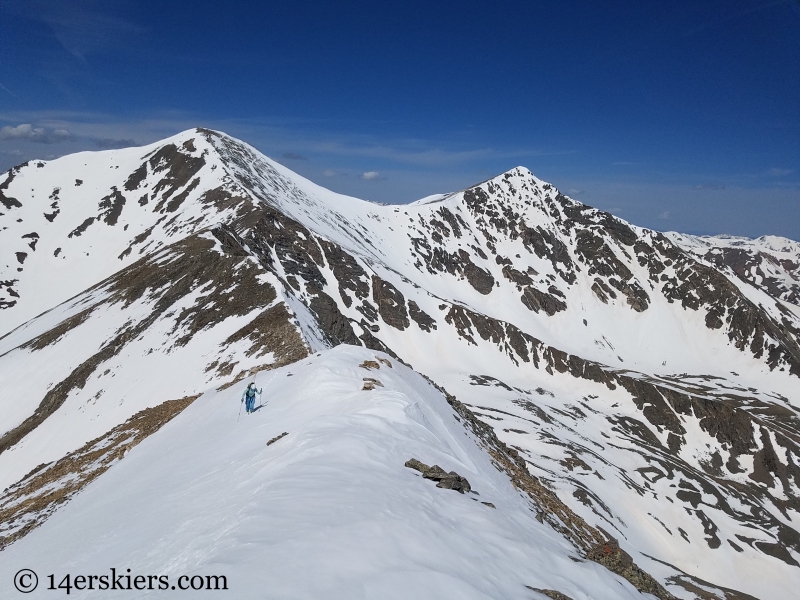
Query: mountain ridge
563	328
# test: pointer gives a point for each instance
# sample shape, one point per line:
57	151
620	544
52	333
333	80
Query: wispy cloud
776	172
331	173
414	151
308	139
8	91
708	186
80	26
371	175
664	215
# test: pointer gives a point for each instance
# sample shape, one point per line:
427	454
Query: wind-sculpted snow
645	385
328	509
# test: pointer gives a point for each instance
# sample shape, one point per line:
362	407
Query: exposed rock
81	228
370	384
420	317
176	169
437	259
413	463
111	207
277	437
7	201
332	322
536	300
135	178
447	481
518	277
391	303
478	278
550	593
615	559
347	271
232	282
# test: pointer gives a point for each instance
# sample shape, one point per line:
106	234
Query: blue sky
673	115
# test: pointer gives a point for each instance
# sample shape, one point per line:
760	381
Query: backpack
251	392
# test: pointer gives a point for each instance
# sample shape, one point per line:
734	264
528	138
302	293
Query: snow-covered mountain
596	383
769	262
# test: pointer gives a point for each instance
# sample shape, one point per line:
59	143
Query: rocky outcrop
390	302
445	480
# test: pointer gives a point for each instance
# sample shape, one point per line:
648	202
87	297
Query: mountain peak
618	377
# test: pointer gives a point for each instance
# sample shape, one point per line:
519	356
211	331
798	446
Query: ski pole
240	411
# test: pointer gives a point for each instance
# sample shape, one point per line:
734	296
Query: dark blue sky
674	115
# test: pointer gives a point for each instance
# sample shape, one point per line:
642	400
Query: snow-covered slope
328	510
162	329
654	389
103	211
770	262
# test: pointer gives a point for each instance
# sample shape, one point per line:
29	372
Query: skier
249	397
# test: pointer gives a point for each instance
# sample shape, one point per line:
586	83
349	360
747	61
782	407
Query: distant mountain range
622	403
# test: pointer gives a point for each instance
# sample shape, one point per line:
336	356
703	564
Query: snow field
327	511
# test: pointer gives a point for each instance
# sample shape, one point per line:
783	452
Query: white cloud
26	131
574	192
775	172
370	175
664	215
330	173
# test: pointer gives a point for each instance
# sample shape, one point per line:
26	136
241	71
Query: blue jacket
247	389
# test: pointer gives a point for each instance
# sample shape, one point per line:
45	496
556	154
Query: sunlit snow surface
328	511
